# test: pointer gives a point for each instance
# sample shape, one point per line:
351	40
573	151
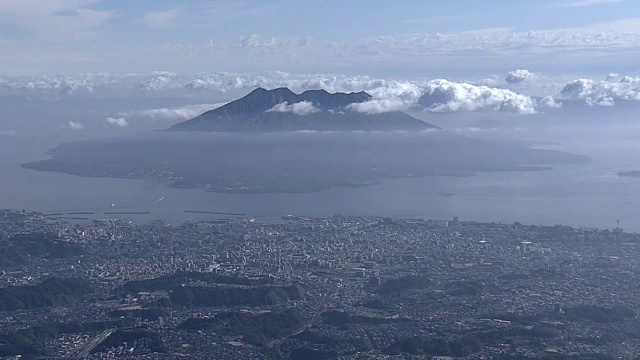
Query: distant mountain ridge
283	110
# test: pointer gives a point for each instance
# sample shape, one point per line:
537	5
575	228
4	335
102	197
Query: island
280	141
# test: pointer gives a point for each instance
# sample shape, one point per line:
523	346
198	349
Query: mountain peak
318	91
279	110
258	90
263	96
335	101
282	91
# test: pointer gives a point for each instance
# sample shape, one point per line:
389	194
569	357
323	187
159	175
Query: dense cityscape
315	288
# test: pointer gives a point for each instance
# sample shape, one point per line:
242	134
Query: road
85	350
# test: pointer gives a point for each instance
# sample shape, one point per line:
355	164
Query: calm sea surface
590	195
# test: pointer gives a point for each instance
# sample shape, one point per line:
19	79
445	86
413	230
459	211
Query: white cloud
604	93
578	89
491	94
179	113
330	82
160	81
548	102
258	41
630	80
602	38
617	42
75	125
392	96
584	3
64	84
518	76
54	19
377	106
160	19
174	114
299	108
119	122
492	81
446	96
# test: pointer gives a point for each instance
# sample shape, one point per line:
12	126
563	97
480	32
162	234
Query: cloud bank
519	91
443	95
75	125
175	114
518	76
446	96
118	122
605	93
171	115
299	108
548	102
587	47
58	20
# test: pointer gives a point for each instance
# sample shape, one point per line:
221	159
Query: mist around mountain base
292	161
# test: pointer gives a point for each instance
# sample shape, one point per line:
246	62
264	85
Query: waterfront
335	286
589	195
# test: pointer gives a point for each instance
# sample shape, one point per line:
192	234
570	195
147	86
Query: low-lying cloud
170	115
392	96
548	102
442	95
519	91
73	125
178	113
118	122
518	76
299	108
378	106
446	96
604	93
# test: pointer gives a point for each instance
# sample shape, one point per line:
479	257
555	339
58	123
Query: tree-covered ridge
51	292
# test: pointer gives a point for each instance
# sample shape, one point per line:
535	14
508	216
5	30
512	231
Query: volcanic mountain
281	109
255	144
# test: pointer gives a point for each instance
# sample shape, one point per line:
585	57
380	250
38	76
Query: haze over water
588	195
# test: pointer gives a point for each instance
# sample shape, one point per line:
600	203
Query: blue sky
349	36
333	20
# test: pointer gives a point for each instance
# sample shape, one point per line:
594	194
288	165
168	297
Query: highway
84	351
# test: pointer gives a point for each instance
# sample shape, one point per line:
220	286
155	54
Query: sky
404	38
551	72
114	66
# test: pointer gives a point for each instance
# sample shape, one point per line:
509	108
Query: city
315	288
319	180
